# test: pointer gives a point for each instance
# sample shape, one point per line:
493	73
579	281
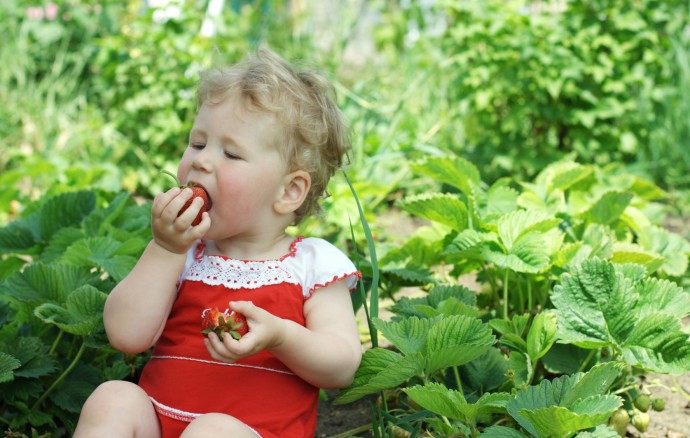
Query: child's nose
202	160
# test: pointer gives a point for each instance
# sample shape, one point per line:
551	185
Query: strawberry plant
578	297
59	260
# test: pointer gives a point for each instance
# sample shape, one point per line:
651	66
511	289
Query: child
265	142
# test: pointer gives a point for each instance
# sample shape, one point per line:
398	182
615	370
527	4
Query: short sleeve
318	263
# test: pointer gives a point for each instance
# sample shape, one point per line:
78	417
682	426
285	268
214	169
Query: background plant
616	303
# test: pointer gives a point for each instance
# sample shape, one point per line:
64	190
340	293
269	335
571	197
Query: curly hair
315	136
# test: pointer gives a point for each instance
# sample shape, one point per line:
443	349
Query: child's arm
137	308
325	353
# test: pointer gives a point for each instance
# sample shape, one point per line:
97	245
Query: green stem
62	376
505	295
457	378
530	295
589	357
55	343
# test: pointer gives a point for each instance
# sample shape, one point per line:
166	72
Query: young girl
265	142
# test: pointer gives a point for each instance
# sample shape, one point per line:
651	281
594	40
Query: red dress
184	381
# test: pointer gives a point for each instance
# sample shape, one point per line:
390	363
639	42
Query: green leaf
599	307
542	335
446	209
657	295
438	399
102	252
485	373
33	355
636	254
8	364
452	404
408	335
562	176
65	210
557	421
452	170
672	247
80	315
381	369
566	404
596	382
40	283
594	305
17	237
456	340
657	343
518	223
530	254
608	208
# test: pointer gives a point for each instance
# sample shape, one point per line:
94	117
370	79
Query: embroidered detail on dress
236	274
213	362
173	413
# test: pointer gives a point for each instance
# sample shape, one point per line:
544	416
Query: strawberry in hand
197	192
235	324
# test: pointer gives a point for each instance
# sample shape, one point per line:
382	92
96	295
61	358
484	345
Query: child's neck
252	247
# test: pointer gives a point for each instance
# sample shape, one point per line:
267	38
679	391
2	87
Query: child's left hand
265	332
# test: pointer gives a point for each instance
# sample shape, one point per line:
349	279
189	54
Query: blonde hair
315	137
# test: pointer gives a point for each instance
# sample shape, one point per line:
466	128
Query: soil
343	421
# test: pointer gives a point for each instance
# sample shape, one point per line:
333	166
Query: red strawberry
214	321
197	192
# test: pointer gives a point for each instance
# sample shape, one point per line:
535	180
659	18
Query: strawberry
220	323
197	192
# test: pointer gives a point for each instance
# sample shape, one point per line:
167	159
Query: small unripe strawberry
641	421
642	402
619	421
658	404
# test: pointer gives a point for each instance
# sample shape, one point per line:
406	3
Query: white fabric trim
213	362
312	262
185	416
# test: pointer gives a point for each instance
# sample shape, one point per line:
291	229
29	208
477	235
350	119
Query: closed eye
197	146
232	156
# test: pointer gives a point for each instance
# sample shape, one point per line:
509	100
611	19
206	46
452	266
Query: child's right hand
176	233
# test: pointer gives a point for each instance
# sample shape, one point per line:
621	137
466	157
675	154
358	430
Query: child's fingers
162	200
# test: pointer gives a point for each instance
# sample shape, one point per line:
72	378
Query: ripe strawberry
197	192
234	324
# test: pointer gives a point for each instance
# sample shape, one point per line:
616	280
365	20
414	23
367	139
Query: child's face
233	153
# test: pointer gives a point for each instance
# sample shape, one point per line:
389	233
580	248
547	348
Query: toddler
264	144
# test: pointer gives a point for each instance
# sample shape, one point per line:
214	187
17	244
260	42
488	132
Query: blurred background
99	94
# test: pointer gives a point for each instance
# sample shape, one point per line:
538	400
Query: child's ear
296	185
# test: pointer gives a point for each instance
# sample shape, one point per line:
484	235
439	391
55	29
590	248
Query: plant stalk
62	376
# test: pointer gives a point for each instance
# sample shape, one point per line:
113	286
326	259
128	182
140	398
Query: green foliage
59	261
530	86
587	302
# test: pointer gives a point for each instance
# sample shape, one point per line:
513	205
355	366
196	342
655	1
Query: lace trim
235	274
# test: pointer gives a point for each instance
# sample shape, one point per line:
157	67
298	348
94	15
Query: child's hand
265	332
172	232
